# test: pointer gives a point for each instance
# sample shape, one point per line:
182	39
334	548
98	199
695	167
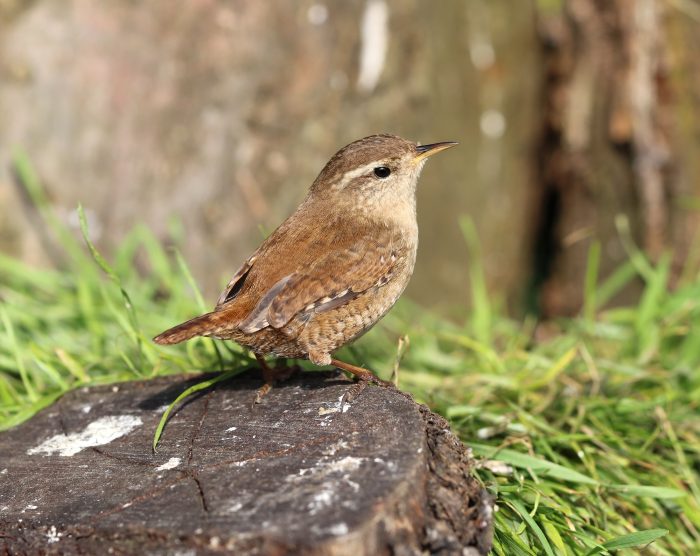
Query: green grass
589	439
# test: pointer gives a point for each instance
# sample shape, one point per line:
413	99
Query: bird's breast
333	329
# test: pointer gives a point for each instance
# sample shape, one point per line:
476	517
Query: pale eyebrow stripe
352	174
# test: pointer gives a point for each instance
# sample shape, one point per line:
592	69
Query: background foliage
587	429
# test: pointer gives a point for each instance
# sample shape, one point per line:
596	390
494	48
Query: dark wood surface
298	474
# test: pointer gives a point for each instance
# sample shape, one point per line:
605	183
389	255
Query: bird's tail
203	325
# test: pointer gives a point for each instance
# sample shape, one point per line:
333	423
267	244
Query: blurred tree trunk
615	134
219	115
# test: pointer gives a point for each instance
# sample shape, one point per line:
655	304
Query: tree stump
301	473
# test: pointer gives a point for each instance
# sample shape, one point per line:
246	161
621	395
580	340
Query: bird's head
377	173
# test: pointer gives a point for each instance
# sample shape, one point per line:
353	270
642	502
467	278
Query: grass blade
522	512
537	465
633	540
590	304
104	265
187	393
481	304
17	352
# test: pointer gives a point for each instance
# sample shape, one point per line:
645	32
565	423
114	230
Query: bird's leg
363	378
268	377
360	373
271	375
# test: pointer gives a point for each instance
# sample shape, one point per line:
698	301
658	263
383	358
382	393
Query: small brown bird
333	268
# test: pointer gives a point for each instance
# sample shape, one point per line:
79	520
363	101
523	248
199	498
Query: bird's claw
358	387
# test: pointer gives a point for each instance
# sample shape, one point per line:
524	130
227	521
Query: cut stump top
297	474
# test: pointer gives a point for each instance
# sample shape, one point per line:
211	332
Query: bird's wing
328	282
236	283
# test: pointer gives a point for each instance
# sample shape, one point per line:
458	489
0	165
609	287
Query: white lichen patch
390	465
333	448
53	535
329	473
339	529
321	500
334	407
172	463
343	465
101	431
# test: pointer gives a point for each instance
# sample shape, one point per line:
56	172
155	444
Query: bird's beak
424	151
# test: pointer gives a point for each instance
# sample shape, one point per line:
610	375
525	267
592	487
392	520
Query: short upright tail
204	325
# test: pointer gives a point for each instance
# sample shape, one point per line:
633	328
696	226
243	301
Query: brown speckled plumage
334	267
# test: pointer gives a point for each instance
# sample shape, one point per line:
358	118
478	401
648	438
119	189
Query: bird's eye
382	172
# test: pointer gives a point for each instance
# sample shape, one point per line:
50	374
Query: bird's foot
353	392
364	377
260	393
272	375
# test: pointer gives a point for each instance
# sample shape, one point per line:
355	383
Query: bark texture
606	148
299	474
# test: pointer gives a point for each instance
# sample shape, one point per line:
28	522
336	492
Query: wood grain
297	475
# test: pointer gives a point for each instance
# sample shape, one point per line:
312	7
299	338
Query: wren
330	271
